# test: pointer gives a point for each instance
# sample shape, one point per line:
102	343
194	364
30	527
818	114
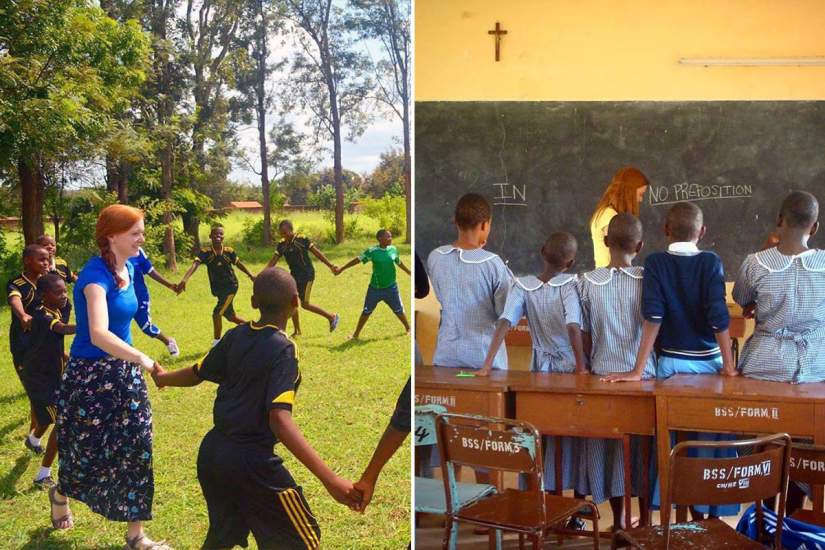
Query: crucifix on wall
498	32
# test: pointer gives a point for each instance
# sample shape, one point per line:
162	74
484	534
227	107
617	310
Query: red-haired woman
104	422
624	194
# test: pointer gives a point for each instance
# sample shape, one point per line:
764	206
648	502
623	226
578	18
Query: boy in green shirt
383	287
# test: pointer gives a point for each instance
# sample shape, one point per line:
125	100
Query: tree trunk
168	217
112	173
191	226
31	192
260	91
407	171
123	181
337	165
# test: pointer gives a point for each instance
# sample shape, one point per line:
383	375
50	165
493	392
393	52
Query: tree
210	28
330	80
68	70
389	22
251	73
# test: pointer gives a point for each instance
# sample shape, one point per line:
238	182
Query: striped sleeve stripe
15	293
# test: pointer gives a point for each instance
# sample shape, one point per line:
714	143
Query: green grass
343	405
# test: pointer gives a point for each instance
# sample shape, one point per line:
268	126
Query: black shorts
43	397
304	288
251	490
224	306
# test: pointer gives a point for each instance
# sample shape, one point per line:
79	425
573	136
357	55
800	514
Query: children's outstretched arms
404	268
287	432
64	328
181	286
185	377
20	312
353	262
502	326
320	256
245	270
389	443
273	261
162	280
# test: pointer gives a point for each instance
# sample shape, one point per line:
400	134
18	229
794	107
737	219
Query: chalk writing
670	194
510	194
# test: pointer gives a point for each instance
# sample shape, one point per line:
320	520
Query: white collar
683	248
604	275
474	255
774	261
535	283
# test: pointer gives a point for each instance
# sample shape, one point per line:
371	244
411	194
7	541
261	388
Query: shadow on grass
186	359
40	539
349	344
10	427
12	397
7	490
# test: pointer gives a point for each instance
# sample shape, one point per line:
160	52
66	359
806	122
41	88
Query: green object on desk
462	374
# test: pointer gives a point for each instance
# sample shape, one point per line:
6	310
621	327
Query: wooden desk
739	405
583	406
488	396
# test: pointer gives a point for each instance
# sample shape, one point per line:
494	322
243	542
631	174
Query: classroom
535	109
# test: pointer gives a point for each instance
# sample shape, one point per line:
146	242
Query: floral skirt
104	438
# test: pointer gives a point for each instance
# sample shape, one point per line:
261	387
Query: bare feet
294	334
352	337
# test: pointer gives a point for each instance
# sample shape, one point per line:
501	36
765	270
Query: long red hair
621	193
114	220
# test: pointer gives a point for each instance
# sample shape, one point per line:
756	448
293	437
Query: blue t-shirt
121	302
142	267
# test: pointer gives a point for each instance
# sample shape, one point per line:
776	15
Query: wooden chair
507	446
429	493
748	478
808	466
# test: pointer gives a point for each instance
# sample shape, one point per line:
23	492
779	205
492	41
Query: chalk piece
462	374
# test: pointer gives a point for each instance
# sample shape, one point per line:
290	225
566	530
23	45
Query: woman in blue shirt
104	418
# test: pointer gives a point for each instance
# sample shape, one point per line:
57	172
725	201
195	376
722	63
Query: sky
361	155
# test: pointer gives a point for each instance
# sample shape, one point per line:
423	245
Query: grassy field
348	392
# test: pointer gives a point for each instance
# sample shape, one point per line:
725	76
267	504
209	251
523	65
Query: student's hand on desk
622	377
729	372
344	492
484	370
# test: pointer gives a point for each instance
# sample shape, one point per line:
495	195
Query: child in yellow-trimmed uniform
223	283
43	362
22	298
245	484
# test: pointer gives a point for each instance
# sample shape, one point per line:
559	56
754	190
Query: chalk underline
700	199
509	204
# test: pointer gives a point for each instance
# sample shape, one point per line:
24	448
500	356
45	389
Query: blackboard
544	165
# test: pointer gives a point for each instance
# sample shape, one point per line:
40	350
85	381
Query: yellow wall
615	49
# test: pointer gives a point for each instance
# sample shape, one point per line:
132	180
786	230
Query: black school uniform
61	267
43	361
222	280
27	291
245	484
296	253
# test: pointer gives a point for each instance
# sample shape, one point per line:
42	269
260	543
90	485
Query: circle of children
623	322
117	482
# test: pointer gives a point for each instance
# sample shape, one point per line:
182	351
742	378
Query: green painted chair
430	497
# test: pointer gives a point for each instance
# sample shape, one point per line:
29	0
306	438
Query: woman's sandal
68	518
140	542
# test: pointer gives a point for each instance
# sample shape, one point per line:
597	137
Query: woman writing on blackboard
624	194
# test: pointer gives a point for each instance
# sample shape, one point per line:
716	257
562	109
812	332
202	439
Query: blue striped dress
611	300
788	344
471	286
549	308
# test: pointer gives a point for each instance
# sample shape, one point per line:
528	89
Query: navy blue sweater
686	294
